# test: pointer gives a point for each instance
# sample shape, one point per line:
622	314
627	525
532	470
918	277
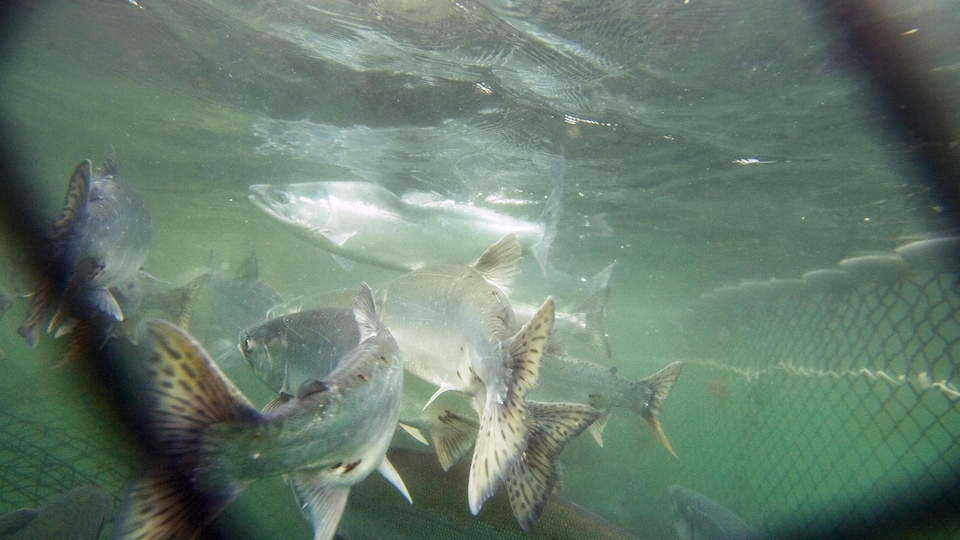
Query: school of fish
445	353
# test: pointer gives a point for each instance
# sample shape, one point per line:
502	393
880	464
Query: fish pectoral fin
387	471
323	501
658	388
105	302
533	476
276	402
337	238
501	263
344	263
415	433
453	438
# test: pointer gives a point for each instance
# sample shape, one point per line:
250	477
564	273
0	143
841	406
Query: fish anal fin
323	501
533	476
501	263
387	470
414	432
452	438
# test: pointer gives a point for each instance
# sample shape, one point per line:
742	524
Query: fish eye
281	197
248	344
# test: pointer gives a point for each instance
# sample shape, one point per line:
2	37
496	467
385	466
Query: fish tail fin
592	312
550	216
656	388
185	393
534	475
503	430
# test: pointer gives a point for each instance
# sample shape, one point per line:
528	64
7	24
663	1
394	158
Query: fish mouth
267	198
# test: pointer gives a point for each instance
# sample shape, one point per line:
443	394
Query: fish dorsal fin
250	268
323	501
534	475
501	262
75	202
311	387
109	165
503	429
658	388
186	393
452	438
276	402
387	471
365	312
343	262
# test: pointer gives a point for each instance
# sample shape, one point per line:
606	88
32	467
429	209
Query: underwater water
701	145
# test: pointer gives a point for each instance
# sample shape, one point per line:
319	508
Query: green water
181	94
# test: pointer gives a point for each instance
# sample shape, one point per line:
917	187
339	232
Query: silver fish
698	517
286	349
210	443
364	222
237	300
103	237
583	321
78	514
573	379
455	327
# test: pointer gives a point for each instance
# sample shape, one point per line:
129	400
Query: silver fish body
455	328
211	442
698	517
565	377
364	222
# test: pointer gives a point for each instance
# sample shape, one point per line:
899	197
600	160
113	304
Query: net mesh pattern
842	404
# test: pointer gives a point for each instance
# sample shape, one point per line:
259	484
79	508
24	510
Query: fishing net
40	460
836	407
